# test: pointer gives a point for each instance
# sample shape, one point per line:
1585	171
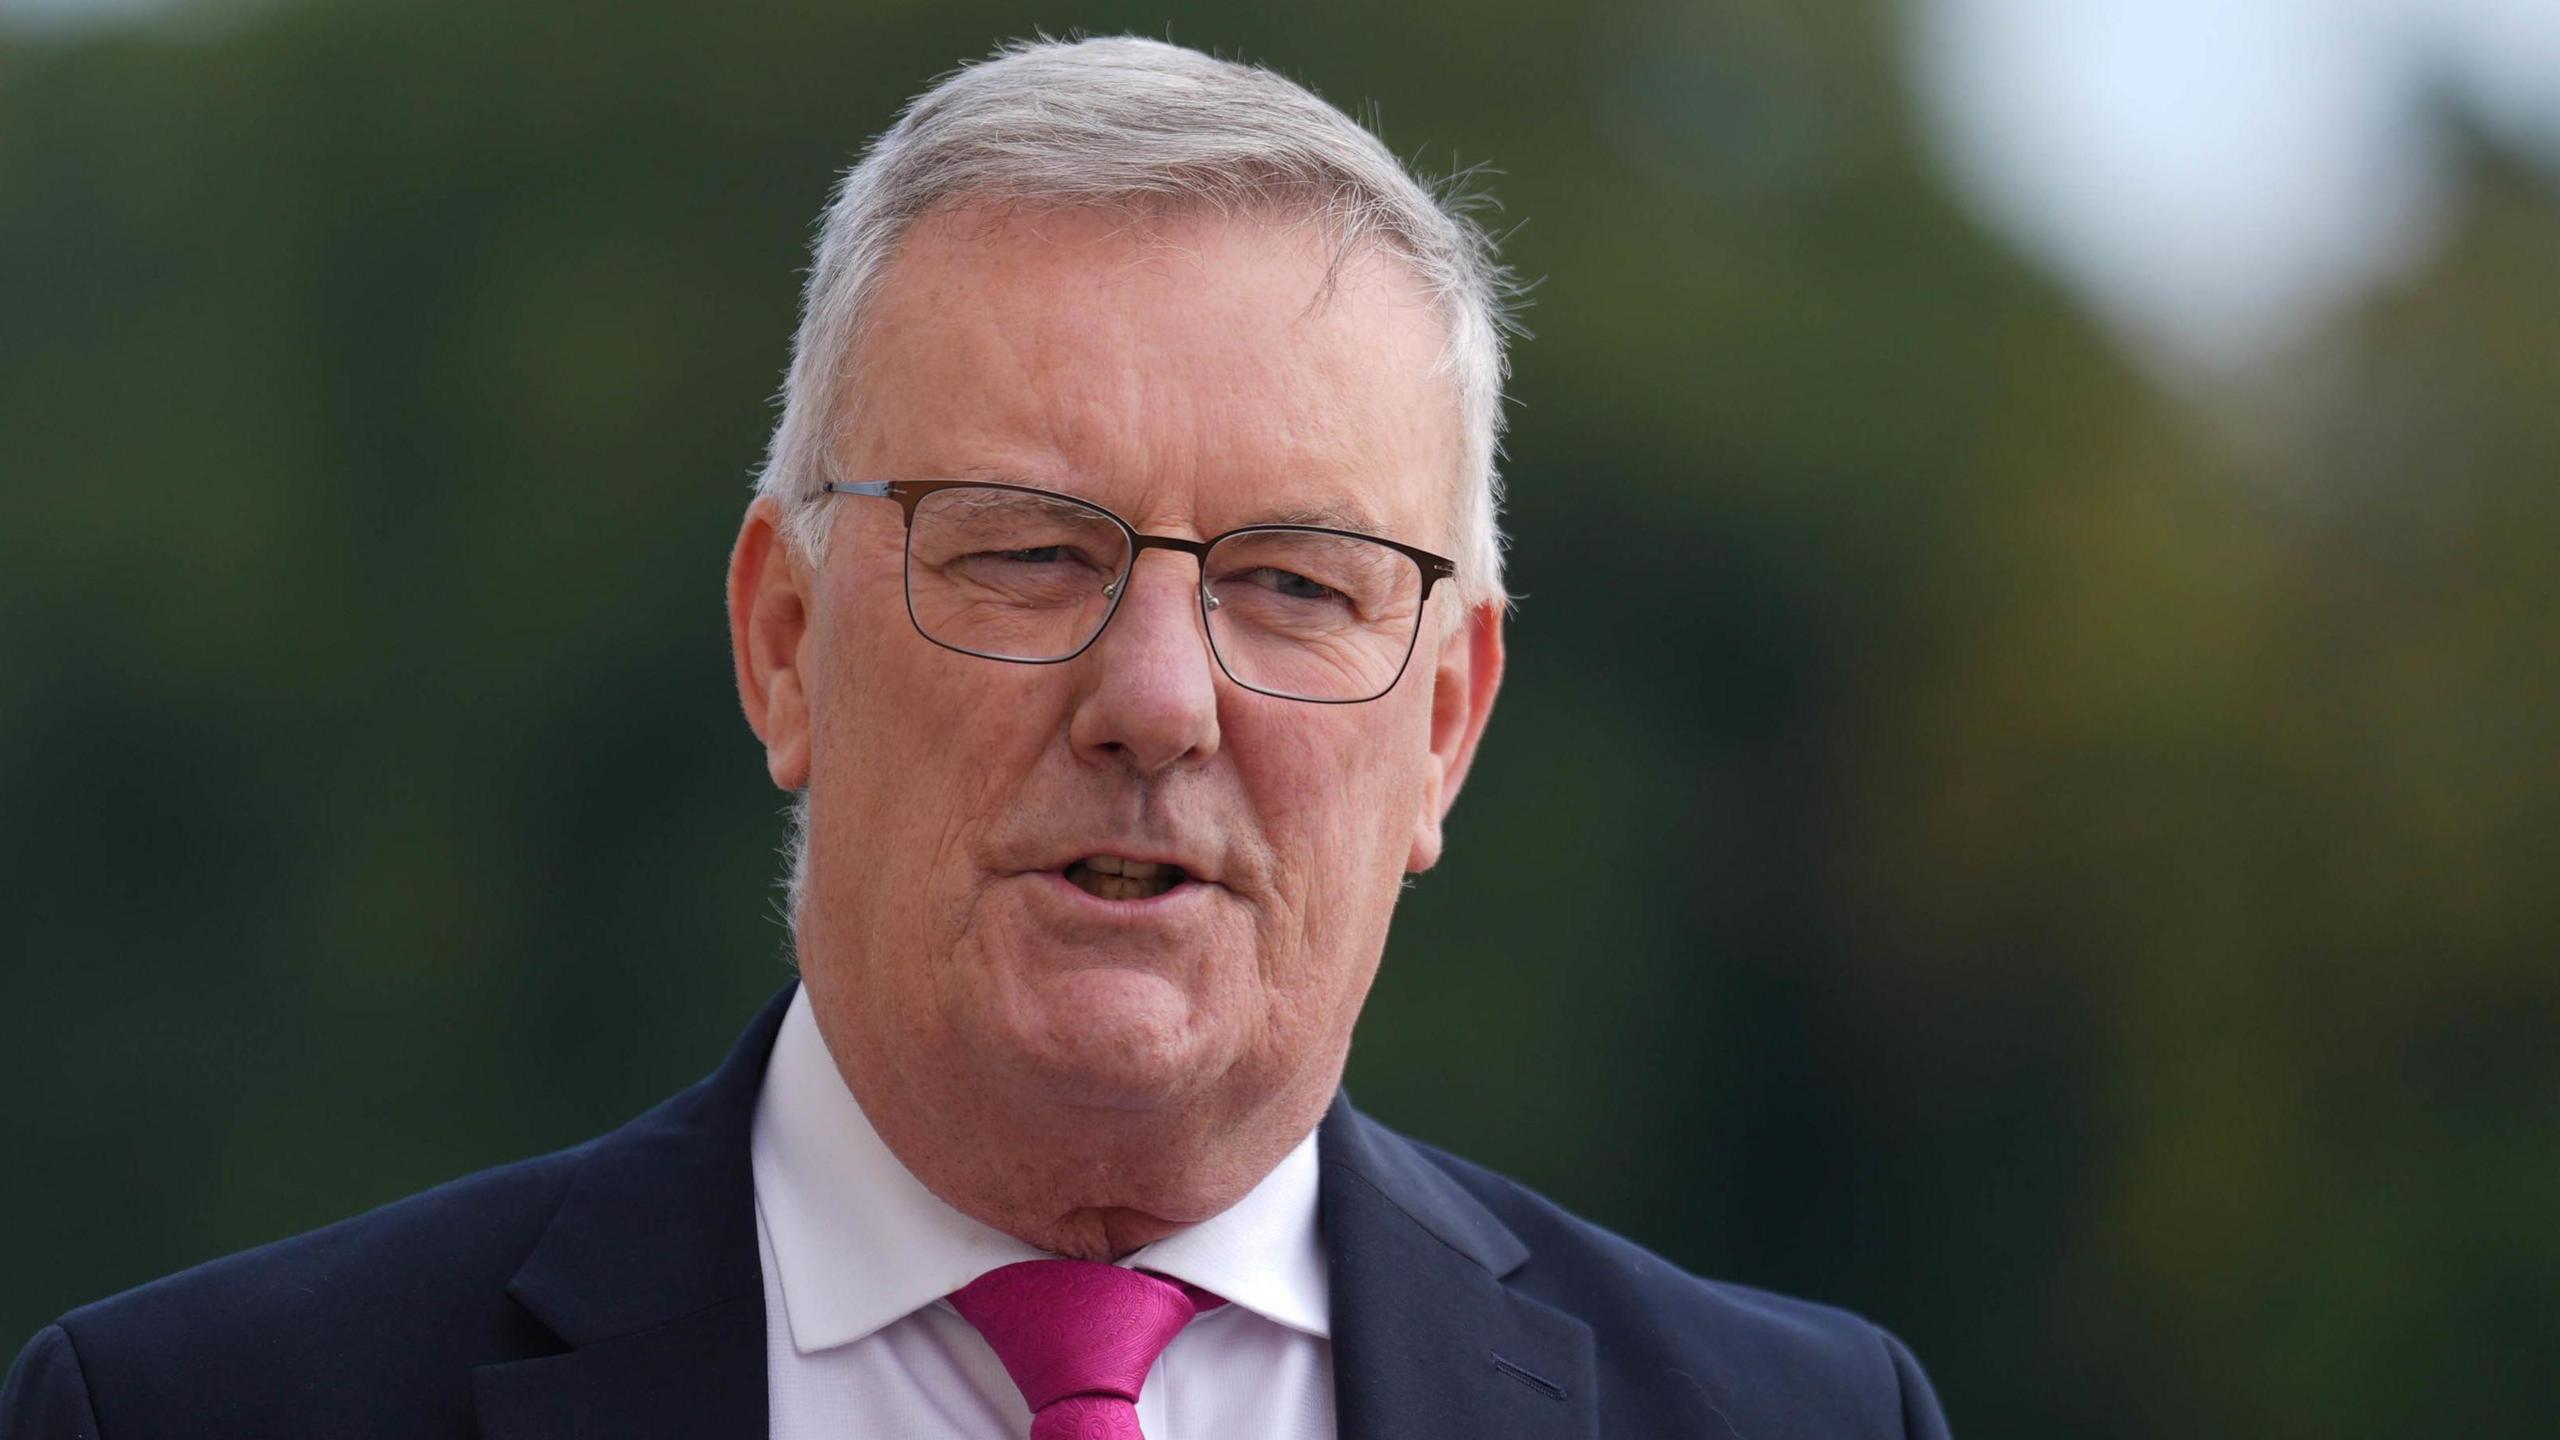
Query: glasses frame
909	493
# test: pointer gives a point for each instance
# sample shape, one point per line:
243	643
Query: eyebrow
1330	514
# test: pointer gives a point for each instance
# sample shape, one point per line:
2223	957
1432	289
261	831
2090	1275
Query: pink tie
1077	1336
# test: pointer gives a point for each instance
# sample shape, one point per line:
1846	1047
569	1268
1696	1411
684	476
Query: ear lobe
1464	679
768	621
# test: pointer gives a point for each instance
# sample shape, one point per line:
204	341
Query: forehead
1199	370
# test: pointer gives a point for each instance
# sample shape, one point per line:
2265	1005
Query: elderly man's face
1193	375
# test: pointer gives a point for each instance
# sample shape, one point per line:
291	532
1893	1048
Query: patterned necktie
1077	1336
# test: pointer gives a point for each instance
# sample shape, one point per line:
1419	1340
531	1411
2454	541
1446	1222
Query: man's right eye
1022	561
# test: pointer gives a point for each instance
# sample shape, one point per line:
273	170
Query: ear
1463	680
769	601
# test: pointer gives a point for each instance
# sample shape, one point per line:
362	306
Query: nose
1149	689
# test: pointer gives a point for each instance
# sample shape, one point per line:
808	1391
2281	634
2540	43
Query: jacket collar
648	1273
1427	1339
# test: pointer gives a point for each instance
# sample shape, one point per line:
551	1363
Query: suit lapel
1427	1339
648	1274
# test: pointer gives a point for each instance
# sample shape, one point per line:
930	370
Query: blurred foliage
1966	837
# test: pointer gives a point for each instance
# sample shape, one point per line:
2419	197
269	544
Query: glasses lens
1312	616
1011	575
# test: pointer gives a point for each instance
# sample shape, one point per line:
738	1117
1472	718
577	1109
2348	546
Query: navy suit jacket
613	1290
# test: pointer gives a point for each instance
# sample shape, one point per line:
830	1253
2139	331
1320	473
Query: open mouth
1111	877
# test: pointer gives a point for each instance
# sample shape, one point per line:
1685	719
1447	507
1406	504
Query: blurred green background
2049	849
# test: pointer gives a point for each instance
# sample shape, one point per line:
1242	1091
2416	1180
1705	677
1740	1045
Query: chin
1110	1038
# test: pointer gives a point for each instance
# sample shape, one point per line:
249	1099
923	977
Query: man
1122	603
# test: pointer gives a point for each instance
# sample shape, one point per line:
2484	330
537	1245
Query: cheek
918	751
1337	802
1357	782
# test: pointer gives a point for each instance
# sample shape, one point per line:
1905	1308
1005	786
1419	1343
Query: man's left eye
1292	584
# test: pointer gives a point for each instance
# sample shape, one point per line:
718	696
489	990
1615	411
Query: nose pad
1121	589
1208	600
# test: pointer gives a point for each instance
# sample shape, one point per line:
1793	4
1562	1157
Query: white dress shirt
858	1255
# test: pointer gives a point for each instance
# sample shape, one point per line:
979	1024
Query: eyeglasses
1302	612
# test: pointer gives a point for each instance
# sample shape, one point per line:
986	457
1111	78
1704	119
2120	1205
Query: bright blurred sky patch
2217	178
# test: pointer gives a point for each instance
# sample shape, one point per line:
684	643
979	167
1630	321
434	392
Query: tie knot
1077	1327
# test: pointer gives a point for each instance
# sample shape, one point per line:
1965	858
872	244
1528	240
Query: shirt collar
860	1243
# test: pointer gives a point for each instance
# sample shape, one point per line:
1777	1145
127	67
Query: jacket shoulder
376	1326
400	1301
1766	1364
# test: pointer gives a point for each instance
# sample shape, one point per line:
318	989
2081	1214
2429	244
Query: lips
1117	877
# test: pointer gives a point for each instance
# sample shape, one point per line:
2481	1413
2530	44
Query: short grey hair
1123	121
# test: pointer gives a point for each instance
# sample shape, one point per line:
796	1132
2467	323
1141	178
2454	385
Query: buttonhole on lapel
1539	1383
